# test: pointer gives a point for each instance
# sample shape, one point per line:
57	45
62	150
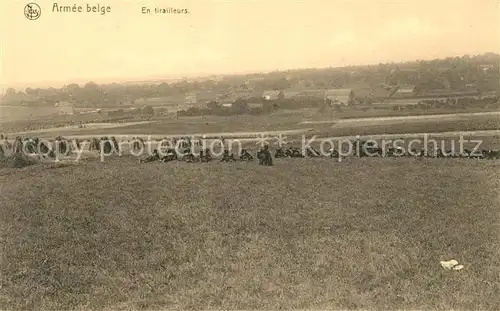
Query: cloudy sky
234	36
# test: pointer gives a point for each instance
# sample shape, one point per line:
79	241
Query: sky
218	37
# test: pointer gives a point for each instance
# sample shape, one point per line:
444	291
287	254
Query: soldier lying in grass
154	157
205	155
227	157
170	156
280	153
245	155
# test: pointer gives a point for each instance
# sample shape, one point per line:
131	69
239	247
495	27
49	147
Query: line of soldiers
366	150
30	146
294	152
362	148
40	147
108	145
171	154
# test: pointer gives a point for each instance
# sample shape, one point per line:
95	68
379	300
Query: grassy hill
306	233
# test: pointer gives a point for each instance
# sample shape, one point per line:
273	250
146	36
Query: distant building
340	96
291	94
405	92
273	95
486	67
205	96
235	95
65	108
369	95
190	98
255	105
470	88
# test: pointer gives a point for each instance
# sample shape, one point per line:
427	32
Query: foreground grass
367	233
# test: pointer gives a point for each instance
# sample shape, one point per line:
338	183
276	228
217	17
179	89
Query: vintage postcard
249	155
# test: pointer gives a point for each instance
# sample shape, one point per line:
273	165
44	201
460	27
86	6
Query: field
304	234
367	233
20	114
286	120
10	113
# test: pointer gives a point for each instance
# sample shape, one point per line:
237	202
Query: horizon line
151	78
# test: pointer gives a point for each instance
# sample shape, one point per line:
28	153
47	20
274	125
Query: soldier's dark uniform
61	145
45	151
137	144
312	153
205	155
334	153
293	153
154	157
279	153
18	146
265	157
30	146
245	155
227	157
170	156
95	144
107	145
115	144
189	157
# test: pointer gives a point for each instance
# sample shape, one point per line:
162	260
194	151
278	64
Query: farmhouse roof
290	94
338	92
338	99
372	93
271	93
406	89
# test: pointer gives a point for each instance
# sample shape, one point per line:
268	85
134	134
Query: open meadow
13	113
303	234
305	120
367	233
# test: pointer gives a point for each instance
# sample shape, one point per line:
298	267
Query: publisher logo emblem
32	11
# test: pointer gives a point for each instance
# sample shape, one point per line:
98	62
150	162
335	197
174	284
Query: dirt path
233	135
402	119
465	134
88	126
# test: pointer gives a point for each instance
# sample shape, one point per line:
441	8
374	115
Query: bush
16	161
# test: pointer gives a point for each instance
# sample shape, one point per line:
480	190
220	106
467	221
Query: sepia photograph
250	155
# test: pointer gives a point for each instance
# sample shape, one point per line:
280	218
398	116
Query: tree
148	110
73	88
91	86
10	91
163	89
213	105
240	104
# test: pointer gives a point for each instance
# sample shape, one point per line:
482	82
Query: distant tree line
453	73
246	106
238	107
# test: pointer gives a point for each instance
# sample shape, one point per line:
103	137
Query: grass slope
281	123
306	233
